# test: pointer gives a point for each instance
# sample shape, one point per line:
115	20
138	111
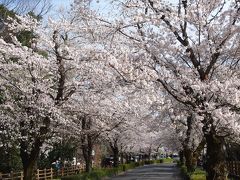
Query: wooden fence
71	171
12	176
44	174
234	168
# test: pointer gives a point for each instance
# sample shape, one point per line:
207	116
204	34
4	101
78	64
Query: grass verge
198	174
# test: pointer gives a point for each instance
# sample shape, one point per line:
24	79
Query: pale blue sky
102	6
58	3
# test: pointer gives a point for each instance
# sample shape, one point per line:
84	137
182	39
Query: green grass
168	160
165	160
198	174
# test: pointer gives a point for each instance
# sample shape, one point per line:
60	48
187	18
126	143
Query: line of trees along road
154	74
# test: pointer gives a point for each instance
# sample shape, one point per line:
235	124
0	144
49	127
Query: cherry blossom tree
193	49
187	132
36	88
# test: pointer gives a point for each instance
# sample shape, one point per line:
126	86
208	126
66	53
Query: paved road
152	172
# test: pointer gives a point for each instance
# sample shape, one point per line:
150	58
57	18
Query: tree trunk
128	158
121	157
87	143
29	152
115	151
181	156
29	160
215	166
88	161
87	155
198	151
188	154
187	150
215	157
28	171
115	157
191	156
149	153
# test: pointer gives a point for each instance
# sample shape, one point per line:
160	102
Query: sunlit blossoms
153	75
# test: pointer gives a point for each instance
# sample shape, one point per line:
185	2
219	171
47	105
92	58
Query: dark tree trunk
121	157
87	144
198	151
29	159
115	151
29	152
215	165
128	158
115	156
188	154
191	156
87	154
122	162
215	157
187	150
181	156
28	171
149	153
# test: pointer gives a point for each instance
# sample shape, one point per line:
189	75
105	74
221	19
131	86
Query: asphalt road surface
152	172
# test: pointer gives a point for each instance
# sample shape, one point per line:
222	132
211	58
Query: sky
56	6
60	3
101	6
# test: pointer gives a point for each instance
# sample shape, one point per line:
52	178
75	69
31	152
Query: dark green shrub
184	173
179	163
149	162
198	174
94	175
168	160
137	164
142	163
123	167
